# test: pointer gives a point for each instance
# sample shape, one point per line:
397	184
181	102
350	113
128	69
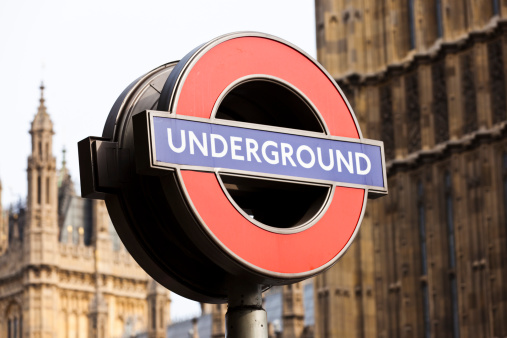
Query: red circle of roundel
272	253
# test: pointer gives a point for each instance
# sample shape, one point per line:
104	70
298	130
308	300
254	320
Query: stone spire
42	199
42	120
64	178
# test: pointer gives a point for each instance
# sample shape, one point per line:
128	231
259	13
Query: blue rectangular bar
193	143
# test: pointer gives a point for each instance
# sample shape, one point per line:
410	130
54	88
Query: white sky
87	52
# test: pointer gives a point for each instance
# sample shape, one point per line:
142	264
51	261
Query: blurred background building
427	77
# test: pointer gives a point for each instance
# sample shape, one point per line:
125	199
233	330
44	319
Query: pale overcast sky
87	52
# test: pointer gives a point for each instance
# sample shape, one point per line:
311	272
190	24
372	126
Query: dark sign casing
243	161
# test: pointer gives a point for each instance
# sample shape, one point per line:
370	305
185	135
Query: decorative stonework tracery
413	112
468	93
497	81
439	103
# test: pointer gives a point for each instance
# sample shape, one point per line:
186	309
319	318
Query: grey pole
245	316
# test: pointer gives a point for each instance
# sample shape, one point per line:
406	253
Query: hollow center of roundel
275	203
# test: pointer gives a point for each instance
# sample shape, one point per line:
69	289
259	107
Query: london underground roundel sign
256	158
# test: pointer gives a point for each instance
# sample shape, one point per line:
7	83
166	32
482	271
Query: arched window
14	321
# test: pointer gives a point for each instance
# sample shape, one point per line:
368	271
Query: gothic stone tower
63	270
428	77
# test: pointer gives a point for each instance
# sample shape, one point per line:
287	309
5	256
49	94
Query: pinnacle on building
42	208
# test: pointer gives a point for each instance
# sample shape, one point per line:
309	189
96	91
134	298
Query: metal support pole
245	316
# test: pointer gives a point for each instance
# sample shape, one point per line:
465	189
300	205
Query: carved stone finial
42	92
64	160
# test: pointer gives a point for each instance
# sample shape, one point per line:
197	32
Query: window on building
39	186
468	92
496	7
497	81
412	111
411	24
452	253
153	315
424	258
47	190
323	296
15	328
440	24
439	104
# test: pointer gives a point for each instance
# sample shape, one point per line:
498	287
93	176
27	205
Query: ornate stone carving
497	81
413	112
439	104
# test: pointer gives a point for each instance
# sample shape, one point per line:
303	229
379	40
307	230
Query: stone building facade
63	270
428	77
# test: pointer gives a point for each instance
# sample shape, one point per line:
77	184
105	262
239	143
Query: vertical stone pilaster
365	289
98	317
480	12
406	243
370	24
453	76
484	115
